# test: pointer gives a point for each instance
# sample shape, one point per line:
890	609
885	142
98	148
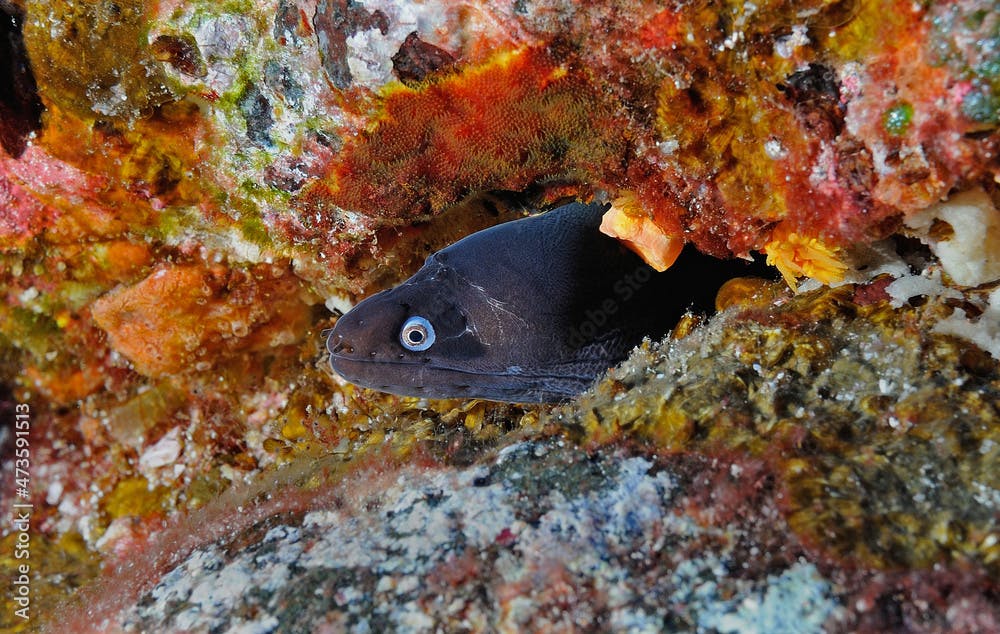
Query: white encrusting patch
970	254
984	331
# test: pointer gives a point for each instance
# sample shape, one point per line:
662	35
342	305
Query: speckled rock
543	537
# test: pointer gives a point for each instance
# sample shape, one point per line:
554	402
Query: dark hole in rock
816	94
20	107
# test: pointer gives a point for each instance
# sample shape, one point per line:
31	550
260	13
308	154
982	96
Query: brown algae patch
884	435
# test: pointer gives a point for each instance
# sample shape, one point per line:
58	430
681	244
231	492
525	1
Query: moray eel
533	310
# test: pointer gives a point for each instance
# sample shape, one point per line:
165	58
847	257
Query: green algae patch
28	330
92	57
897	119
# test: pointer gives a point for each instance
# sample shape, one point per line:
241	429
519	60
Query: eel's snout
342	357
351	356
366	331
336	344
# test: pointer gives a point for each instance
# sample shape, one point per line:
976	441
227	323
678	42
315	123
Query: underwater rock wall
188	189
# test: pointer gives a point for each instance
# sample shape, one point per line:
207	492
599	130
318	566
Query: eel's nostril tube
336	344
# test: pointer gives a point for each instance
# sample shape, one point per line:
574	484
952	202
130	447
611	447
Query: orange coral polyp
521	116
626	221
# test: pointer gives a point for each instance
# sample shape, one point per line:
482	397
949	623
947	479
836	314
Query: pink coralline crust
560	601
60	197
920	165
23	217
905	142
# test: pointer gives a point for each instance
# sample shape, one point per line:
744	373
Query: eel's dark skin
533	310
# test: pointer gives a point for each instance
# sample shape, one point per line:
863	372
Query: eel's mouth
411	377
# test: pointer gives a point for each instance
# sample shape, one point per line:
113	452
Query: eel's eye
417	334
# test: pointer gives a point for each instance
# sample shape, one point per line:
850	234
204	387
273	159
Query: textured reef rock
188	189
859	408
545	536
828	463
199	307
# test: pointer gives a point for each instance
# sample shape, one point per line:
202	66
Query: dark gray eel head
439	335
532	310
488	317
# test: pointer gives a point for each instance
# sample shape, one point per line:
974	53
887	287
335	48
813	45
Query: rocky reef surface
190	192
544	536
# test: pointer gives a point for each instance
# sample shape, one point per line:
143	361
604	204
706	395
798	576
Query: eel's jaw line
443	368
526	388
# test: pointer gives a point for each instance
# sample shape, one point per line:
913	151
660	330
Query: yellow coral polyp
796	255
63	318
294	430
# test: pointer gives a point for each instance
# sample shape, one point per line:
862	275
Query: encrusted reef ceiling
190	191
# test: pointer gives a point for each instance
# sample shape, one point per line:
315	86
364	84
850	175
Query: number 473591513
22	449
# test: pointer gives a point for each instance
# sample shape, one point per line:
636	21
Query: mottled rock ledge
824	462
544	536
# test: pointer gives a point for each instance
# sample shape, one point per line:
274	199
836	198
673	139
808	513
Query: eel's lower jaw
452	383
371	374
